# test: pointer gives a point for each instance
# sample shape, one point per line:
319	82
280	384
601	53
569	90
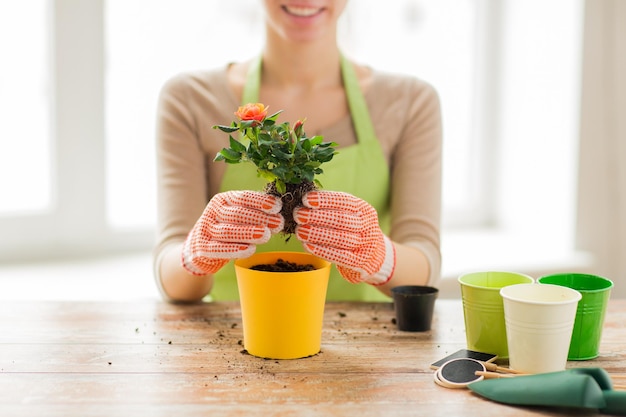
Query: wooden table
156	359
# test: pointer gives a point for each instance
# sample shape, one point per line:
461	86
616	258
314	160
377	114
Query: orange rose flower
252	111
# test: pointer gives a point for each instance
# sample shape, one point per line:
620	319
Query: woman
388	128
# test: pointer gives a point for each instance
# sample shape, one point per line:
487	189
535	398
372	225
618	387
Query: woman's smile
302	11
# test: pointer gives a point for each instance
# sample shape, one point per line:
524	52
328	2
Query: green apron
360	169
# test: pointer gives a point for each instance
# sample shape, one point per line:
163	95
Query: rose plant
283	155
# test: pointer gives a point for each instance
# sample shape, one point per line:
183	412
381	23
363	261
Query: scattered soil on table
283	266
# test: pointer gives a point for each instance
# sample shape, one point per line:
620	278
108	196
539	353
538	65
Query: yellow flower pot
282	312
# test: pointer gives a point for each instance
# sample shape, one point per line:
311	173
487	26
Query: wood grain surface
158	359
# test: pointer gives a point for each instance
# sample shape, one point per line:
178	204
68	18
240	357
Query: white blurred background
531	93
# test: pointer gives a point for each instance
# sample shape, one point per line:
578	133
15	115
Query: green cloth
577	388
360	170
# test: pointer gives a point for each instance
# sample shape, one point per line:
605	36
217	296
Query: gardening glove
343	229
230	227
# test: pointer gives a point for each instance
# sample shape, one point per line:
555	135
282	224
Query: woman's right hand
230	227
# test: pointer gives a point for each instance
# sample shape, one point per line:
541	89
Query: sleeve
416	171
180	161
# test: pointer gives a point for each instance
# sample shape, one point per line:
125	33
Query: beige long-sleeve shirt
406	115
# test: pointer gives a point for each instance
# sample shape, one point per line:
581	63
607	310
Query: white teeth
302	11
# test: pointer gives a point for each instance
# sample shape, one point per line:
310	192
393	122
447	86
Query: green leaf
313	164
236	145
245	124
308	175
280	170
327	144
251	134
281	187
227	129
230	155
267	175
325	155
274	116
265	139
282	155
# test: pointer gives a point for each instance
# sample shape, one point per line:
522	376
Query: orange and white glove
230	227
343	229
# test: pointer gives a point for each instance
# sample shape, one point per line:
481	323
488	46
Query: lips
302	11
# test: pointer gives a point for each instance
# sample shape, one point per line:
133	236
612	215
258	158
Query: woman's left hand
343	229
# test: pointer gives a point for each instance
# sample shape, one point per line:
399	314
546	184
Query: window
24	111
438	42
139	61
90	73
